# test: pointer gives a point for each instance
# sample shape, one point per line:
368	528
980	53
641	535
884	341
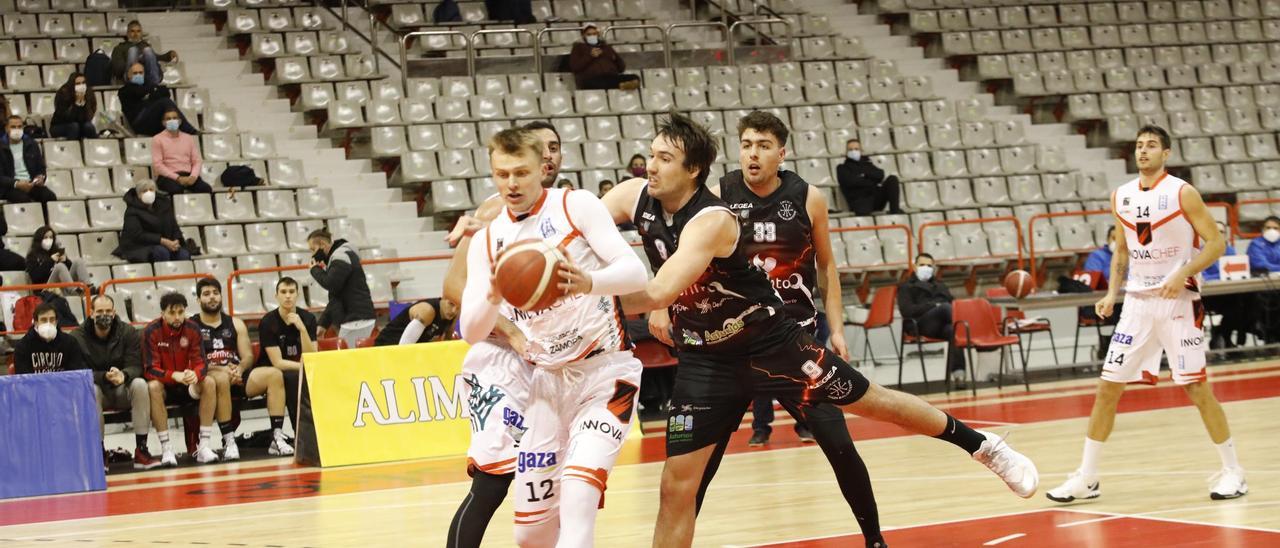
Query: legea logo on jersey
434	403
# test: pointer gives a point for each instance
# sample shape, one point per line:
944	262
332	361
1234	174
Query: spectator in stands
175	158
177	374
636	166
605	186
227	347
865	187
151	231
927	301
136	49
336	267
144	105
1099	260
113	350
566	184
73	109
8	259
426	321
22	169
595	64
285	334
47	261
45	348
1233	308
1264	251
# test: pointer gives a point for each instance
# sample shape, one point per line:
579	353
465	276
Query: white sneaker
167	458
279	447
229	450
1228	484
204	454
1017	471
1077	487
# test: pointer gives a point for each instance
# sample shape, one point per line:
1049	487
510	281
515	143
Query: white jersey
576	327
1160	237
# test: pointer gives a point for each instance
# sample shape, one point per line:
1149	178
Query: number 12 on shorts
546	485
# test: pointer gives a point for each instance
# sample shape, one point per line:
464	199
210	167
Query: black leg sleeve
473	516
832	433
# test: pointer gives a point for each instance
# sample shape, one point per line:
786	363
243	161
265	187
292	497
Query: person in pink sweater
175	158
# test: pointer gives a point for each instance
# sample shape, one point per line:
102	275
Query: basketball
527	276
1018	283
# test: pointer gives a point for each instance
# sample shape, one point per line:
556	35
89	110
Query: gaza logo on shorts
1121	338
535	459
515	424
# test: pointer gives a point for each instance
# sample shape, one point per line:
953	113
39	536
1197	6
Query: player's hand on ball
575	280
660	326
467	225
1105	307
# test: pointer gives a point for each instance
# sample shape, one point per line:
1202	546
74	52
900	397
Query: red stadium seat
332	343
367	342
654	354
976	327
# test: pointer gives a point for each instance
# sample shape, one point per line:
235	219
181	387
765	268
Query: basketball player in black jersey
425	321
228	349
733	338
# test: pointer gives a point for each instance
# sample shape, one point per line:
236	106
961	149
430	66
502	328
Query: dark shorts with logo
712	390
178	394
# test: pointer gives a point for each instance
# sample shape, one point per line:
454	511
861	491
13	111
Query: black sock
140	440
851	474
277	422
959	434
471	519
226	428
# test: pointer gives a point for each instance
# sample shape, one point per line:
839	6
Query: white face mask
47	331
172	125
1271	235
593	40
925	273
81	88
148	197
47	243
15	135
1111	246
855	155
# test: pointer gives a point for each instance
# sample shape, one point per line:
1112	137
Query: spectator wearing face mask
925	304
175	158
136	49
595	64
144	104
45	348
22	167
1264	251
864	185
47	261
636	167
73	109
1099	260
151	231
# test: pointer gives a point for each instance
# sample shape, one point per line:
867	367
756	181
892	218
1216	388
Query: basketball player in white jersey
496	374
584	380
1169	238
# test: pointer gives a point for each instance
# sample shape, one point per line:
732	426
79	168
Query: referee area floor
1154	473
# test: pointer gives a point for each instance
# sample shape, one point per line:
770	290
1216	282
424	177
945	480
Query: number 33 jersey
1160	237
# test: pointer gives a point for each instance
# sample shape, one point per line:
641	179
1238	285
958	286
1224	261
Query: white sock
1089	462
228	438
164	441
1227	450
206	433
579	504
277	434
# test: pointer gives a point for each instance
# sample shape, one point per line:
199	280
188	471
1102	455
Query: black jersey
730	297
777	235
390	334
220	341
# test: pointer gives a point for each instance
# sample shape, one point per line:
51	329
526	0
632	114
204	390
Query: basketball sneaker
1077	487
758	439
1228	484
1017	471
142	459
167	458
230	451
805	435
279	447
204	454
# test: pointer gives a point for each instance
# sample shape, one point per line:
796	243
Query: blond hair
516	141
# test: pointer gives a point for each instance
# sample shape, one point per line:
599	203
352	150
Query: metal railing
1017	226
471	47
404	49
84	288
235	274
759	35
877	228
1235	217
666	39
102	289
1031	227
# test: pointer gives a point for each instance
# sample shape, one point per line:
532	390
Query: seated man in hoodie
113	350
45	348
144	104
151	231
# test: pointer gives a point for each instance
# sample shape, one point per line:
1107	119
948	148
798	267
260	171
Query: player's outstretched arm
455	278
478	313
621	201
706	237
623	272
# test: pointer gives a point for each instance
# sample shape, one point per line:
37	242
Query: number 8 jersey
1160	237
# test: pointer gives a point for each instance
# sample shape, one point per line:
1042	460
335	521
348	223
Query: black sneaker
758	439
805	435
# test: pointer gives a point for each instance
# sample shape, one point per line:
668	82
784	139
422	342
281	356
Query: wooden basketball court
1155	472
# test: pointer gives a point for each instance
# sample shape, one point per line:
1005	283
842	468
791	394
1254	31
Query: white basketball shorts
1149	326
499	383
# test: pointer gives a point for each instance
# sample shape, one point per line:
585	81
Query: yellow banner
389	403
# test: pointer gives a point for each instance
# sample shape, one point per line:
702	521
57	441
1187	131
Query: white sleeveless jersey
1161	238
574	328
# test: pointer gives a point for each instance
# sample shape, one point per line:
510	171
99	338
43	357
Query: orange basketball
527	274
1019	283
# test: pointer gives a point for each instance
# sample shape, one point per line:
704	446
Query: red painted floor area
314	482
1041	529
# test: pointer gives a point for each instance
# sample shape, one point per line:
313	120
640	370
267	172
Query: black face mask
104	321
